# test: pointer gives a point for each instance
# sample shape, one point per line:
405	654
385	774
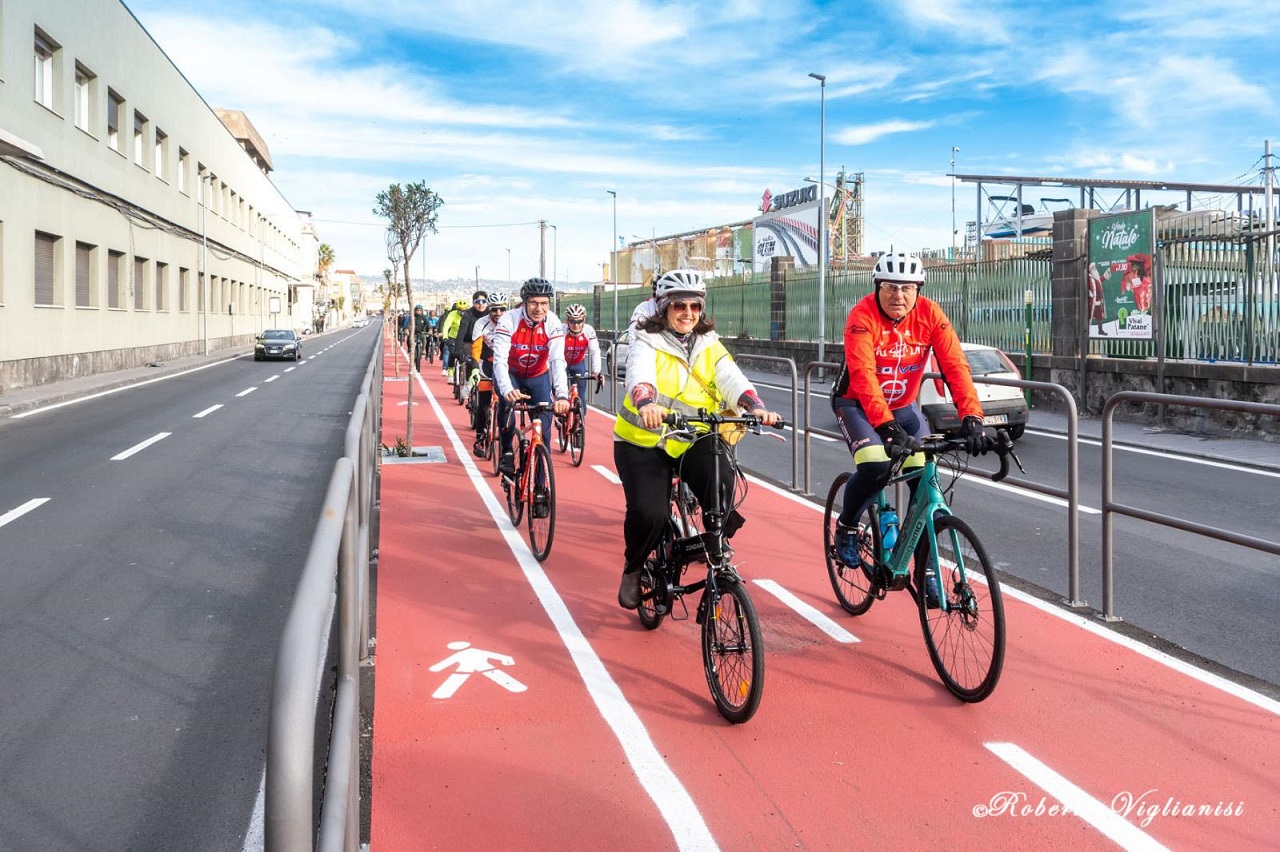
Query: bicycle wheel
966	641
733	651
851	583
687	509
653	607
562	431
542	522
578	435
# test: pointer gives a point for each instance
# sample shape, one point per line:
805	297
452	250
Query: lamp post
555	247
204	262
822	219
954	151
613	273
508	269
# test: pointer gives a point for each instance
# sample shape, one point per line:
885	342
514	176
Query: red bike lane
611	738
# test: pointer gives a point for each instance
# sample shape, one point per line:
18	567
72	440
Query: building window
183	165
162	286
139	283
86	88
139	138
46	268
162	152
46	52
115	106
115	265
85	254
184	285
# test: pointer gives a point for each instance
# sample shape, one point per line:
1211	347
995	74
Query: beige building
136	223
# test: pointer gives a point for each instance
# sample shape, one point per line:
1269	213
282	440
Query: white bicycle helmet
575	313
899	267
679	281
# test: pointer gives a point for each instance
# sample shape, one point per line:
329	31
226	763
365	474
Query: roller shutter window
84	291
46	250
139	282
162	270
114	261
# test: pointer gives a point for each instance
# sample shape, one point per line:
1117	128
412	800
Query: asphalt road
151	541
1214	599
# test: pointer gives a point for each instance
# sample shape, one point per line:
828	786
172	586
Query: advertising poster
787	228
1119	276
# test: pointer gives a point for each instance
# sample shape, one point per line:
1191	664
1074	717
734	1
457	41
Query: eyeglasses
480	302
496	309
573	322
695	307
905	289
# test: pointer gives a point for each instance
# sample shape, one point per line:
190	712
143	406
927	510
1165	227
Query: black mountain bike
732	645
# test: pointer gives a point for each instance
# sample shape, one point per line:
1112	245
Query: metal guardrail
337	566
795	450
1110	508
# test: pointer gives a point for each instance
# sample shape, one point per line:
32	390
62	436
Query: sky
515	112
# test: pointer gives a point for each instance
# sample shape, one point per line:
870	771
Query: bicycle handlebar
532	407
677	420
1002	446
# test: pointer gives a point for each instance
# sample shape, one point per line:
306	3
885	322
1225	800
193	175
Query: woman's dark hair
658	323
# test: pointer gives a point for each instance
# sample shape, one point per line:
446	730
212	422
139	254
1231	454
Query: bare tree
411	213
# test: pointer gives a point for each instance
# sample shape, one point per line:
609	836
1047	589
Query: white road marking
1033	495
291	369
137	448
271	379
1113	826
807	612
206	412
246	392
81	399
14	514
1171	454
673	801
606	473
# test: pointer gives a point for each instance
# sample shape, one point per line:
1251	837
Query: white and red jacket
582	346
524	350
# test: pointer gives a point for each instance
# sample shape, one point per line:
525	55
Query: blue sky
520	111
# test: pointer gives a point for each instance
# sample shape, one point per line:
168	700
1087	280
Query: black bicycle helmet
536	287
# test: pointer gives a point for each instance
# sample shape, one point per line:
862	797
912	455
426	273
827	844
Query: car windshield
984	362
277	335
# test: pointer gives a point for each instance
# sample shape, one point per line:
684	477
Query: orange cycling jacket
887	359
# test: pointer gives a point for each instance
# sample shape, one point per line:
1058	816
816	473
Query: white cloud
871	132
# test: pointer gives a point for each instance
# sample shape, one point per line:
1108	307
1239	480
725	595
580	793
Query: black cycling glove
896	440
976	441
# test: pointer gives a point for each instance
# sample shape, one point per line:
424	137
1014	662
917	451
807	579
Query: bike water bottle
889	527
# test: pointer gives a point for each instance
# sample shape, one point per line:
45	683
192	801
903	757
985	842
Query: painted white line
663	786
271	379
1172	455
137	448
206	412
814	435
80	399
14	514
807	612
291	369
1113	826
1031	495
246	392
606	473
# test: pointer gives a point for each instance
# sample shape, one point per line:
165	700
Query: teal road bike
938	559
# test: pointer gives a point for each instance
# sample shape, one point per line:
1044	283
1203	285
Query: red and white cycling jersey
577	347
523	350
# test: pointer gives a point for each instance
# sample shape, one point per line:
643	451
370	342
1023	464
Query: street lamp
954	151
508	269
613	273
822	220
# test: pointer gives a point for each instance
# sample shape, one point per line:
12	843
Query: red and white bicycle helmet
575	313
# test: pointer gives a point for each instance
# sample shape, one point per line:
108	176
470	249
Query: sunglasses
908	289
497	309
695	307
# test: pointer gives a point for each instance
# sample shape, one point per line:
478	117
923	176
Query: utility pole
1268	196
542	248
954	150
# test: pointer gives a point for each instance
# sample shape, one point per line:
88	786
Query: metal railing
337	567
1110	508
795	450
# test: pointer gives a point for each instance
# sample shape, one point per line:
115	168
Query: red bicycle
534	484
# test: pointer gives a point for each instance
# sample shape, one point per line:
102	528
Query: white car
618	350
360	322
1003	407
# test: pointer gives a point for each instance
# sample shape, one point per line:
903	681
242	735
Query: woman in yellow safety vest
676	363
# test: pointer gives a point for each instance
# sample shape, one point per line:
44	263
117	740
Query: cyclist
448	333
887	339
421	331
528	363
581	350
482	354
479	308
677	363
645	309
433	335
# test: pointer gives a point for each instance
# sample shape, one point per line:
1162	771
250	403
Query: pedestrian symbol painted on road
471	661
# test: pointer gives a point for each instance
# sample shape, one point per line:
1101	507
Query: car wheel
1015	432
257	357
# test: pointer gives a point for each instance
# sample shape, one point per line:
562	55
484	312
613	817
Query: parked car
618	350
1004	407
278	343
360	322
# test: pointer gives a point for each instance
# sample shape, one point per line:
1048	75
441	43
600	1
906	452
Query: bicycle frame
528	437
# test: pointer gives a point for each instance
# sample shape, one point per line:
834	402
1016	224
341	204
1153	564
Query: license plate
995	420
